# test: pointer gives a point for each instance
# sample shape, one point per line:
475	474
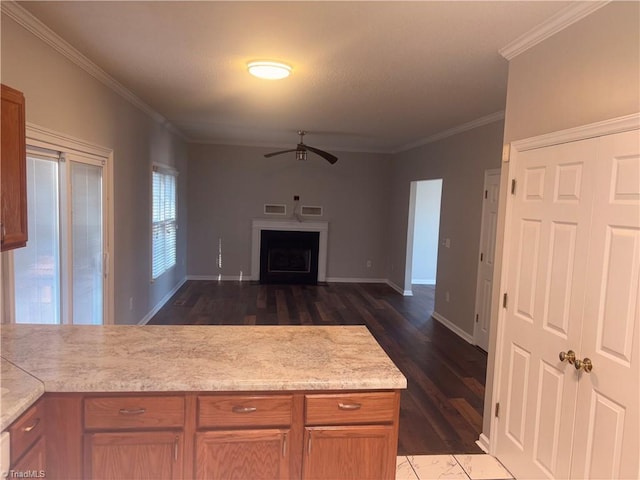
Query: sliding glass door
59	275
37	266
86	243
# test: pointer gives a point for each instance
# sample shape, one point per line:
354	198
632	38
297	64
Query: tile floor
463	467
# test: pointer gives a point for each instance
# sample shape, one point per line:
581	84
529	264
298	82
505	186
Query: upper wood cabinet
13	171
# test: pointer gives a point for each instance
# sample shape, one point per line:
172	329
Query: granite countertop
120	358
19	391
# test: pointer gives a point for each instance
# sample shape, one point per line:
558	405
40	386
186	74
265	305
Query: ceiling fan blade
326	155
278	153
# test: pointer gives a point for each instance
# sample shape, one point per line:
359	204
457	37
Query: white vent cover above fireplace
309	211
275	209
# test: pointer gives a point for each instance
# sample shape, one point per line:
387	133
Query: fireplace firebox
289	257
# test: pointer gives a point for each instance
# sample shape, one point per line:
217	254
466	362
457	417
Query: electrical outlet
446	296
130	303
447	242
369	263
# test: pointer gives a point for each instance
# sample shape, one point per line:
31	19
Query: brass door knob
585	365
569	356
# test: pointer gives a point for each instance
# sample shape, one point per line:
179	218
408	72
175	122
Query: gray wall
62	97
460	161
587	73
229	185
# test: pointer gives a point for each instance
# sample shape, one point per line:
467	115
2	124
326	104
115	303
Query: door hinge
513	186
504	301
477	316
486	193
497	410
481	256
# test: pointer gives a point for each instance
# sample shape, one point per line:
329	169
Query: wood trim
64	427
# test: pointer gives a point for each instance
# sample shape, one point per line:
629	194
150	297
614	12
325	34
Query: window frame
169	172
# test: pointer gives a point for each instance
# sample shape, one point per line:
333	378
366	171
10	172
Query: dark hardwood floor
441	410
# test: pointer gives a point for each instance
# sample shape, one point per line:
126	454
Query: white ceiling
367	76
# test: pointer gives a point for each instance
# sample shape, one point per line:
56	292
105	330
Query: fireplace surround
260	225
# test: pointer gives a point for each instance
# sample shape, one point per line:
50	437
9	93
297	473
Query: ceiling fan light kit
302	149
269	70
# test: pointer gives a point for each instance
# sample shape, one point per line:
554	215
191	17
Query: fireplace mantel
258	225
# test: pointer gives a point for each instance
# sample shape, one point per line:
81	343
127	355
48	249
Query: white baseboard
404	293
161	303
219	278
355	280
236	278
483	443
423	281
453	327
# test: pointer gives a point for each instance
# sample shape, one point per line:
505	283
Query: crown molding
33	25
561	20
598	129
494	117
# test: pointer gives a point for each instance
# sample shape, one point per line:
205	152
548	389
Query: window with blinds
164	220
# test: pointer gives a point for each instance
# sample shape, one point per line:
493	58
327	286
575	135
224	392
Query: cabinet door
349	453
13	171
33	460
135	455
243	454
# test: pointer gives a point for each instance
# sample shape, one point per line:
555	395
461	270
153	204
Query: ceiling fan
301	151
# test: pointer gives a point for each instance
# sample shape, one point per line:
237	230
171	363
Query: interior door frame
598	129
38	136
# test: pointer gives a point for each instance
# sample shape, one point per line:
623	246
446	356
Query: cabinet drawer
244	410
133	412
341	408
26	430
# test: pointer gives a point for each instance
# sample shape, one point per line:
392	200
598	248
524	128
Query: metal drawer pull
349	406
134	411
239	409
31	427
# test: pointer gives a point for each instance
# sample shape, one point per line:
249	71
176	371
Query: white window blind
164	220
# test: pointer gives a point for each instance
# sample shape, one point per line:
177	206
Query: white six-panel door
606	443
486	262
572	262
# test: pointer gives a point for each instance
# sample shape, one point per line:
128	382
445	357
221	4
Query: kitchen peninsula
208	401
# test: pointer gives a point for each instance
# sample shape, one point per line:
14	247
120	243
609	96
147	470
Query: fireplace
289	257
262	225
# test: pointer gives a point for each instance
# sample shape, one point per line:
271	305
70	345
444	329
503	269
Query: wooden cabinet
135	455
351	436
267	436
349	453
261	454
13	171
134	436
243	436
27	440
33	460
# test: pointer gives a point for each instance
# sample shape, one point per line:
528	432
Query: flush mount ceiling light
269	70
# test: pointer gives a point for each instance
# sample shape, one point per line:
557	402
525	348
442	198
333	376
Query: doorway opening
423	233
